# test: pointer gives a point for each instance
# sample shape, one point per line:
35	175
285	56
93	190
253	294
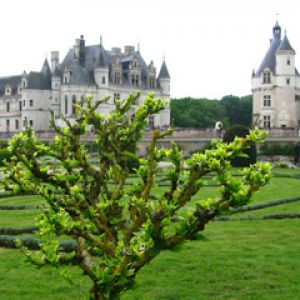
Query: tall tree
238	109
118	230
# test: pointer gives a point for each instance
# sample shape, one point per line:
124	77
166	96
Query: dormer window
152	83
267	77
288	61
7	90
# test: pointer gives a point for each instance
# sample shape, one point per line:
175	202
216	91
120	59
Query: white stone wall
36	111
11	116
282	68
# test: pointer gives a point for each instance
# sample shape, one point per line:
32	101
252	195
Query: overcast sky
210	46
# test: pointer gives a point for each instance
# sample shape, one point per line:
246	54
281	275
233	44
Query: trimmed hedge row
31	243
263	205
16	231
13	207
279	216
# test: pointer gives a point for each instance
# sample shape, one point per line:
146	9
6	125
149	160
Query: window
66	104
288	61
31	123
267	77
116	96
267	121
287	81
65	80
24	102
17	124
20	105
136	80
7	107
73	104
267	100
152	83
117	77
132	79
24	84
7	124
31	103
103	80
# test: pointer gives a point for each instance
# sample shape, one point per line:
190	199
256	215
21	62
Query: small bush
241	131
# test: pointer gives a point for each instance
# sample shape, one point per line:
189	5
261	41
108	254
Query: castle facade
276	86
84	70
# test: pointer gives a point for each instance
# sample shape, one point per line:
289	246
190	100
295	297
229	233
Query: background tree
197	113
117	230
238	110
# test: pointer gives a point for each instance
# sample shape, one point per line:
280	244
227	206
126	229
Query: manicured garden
237	259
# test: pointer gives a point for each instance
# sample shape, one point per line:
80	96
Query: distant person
296	153
219	128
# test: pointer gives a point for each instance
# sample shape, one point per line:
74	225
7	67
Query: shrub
250	151
276	149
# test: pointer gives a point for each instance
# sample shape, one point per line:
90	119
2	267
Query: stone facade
276	86
84	70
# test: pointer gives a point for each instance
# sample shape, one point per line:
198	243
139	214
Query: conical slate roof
285	45
164	73
101	61
80	76
269	60
56	72
46	69
277	44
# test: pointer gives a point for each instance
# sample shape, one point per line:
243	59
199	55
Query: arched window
66	104
103	80
267	77
73	104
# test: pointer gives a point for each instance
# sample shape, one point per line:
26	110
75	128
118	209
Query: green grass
229	260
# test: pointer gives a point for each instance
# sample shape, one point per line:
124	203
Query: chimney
82	51
54	60
77	47
128	50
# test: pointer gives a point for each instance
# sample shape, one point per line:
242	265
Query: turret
285	58
54	60
101	68
164	79
56	78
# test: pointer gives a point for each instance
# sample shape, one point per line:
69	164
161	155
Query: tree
238	110
197	113
118	230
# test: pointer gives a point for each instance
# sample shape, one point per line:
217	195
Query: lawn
229	260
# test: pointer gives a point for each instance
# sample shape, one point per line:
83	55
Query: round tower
101	70
164	80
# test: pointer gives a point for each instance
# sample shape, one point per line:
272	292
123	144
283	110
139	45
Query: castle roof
164	73
38	81
56	72
285	45
12	81
101	61
276	44
96	55
79	75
